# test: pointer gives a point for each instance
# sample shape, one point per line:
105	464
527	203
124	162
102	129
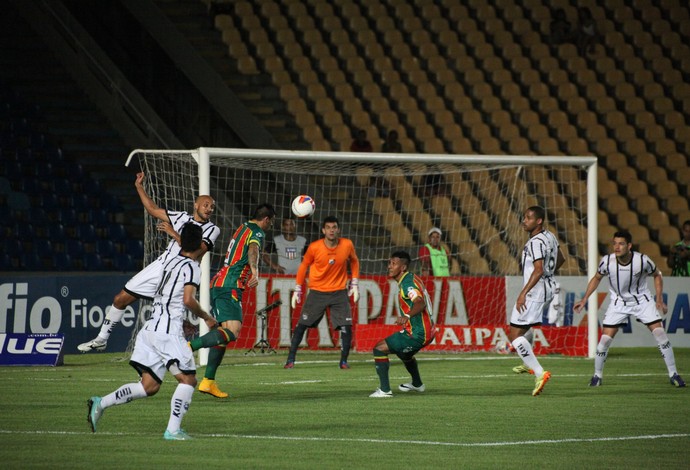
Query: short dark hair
190	237
263	211
687	222
403	255
330	220
623	234
539	212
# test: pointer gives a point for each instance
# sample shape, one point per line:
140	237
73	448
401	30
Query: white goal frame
203	156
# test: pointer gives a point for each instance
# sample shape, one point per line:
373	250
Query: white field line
644	437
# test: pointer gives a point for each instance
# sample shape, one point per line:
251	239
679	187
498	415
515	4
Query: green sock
215	357
217	337
411	366
382	366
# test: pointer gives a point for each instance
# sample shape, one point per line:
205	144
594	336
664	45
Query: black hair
190	237
403	255
263	211
330	220
623	234
539	212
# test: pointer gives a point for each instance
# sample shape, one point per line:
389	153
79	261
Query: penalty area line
644	437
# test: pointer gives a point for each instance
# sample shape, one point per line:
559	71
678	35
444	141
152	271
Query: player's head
204	206
330	227
190	237
533	219
264	216
622	243
398	264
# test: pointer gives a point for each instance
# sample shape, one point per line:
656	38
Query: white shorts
646	313
144	283
530	316
153	352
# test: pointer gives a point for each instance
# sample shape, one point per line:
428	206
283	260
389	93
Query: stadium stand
476	77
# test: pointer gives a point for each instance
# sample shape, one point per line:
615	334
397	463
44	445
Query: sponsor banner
570	341
75	305
31	349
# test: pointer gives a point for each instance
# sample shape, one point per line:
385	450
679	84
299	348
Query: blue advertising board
73	305
31	350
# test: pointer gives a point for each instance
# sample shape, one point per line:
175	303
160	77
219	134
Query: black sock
345	342
411	366
297	336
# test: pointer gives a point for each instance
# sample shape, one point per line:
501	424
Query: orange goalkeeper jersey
328	266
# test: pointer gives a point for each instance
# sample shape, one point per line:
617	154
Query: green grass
475	414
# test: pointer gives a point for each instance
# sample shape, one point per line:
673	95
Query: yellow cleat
540	382
209	386
522	369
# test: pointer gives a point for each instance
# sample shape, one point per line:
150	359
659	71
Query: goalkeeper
326	260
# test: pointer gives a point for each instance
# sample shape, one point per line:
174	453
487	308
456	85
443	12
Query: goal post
386	202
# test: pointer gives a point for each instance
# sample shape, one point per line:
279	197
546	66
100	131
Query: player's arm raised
150	206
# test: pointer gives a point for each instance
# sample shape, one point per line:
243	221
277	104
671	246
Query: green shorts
226	304
404	345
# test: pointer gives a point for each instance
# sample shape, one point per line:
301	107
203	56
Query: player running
418	328
143	285
160	344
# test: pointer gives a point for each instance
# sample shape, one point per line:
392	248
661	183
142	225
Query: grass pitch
475	413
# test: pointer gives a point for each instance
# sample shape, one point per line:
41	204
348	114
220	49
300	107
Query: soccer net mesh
384	203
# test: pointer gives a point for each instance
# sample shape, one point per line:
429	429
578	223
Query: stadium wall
75	305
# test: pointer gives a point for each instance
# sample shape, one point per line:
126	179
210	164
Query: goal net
388	202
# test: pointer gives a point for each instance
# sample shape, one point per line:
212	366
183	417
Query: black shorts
316	304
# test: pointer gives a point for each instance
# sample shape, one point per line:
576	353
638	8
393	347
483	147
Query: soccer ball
303	206
503	347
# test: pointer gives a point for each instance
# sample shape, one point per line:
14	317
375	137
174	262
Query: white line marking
644	437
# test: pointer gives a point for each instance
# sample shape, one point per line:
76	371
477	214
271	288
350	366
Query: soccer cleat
381	394
408	387
676	380
95	344
94	412
344	365
289	365
522	369
178	435
596	381
209	386
539	383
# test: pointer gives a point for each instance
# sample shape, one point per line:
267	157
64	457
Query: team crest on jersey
290	252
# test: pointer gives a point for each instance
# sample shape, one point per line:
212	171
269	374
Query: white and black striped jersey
628	282
168	304
542	246
177	220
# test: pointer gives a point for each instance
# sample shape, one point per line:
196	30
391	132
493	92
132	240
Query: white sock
529	336
666	350
602	353
524	350
112	318
179	404
124	394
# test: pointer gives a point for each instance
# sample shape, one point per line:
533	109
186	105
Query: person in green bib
433	256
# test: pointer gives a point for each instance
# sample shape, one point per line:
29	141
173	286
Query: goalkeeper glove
354	289
296	296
